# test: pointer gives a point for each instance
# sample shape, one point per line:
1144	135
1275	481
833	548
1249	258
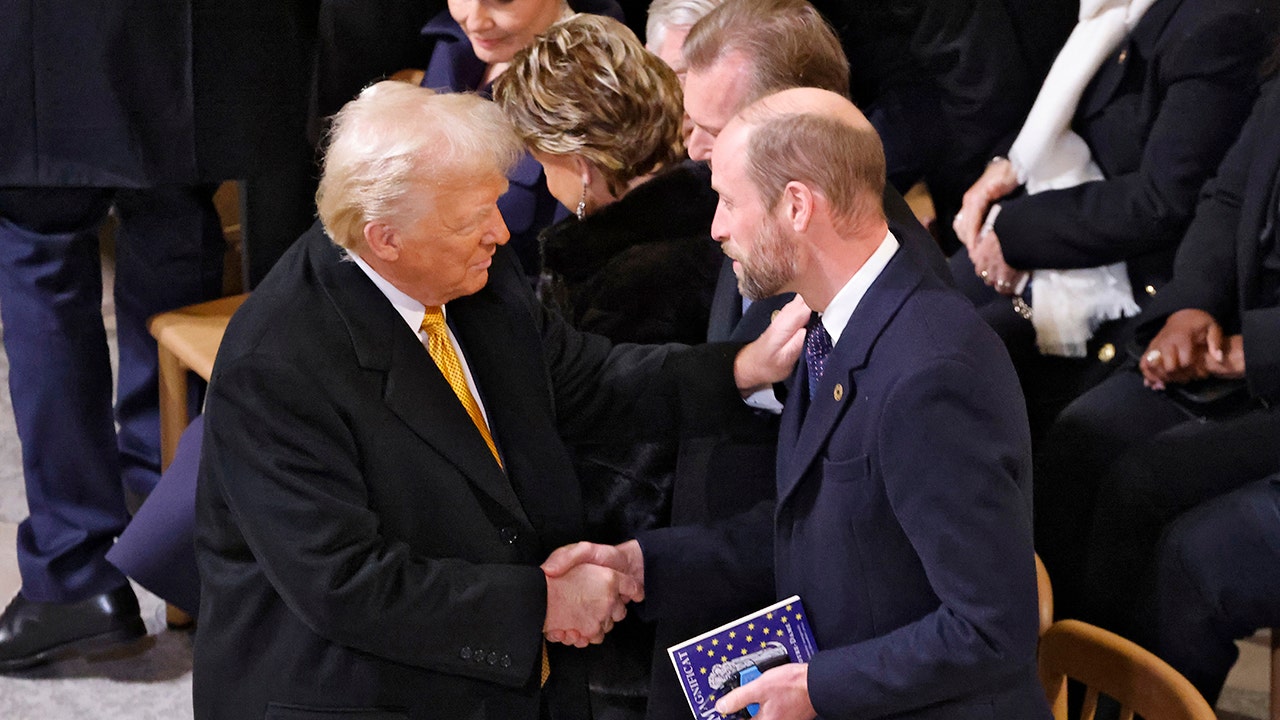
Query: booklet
713	664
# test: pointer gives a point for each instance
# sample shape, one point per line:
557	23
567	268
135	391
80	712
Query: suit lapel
512	384
726	305
414	390
1108	80
806	430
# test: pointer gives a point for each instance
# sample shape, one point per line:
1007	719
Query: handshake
588	588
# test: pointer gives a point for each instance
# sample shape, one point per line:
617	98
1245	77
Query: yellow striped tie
442	352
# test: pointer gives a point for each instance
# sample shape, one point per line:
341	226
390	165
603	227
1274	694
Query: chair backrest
1106	663
1044	591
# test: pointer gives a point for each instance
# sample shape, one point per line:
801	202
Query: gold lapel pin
838	392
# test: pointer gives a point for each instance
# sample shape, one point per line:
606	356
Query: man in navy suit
903	495
738	53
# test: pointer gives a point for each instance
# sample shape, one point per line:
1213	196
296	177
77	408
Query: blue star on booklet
713	664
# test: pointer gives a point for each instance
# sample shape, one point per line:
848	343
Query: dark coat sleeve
703	568
1205	268
1204	82
1218	246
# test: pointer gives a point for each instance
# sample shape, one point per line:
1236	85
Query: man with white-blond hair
908	542
384	463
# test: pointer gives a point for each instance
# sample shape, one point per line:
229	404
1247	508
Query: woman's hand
1225	357
988	263
997	181
1178	353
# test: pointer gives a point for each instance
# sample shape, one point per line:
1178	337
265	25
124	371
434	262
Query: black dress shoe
32	632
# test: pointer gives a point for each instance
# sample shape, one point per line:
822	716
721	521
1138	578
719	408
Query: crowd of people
598	344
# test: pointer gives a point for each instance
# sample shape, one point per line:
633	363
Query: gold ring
984	274
1152	357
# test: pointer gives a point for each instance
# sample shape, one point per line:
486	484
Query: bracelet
1021	307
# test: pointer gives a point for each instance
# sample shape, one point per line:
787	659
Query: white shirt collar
411	310
841	307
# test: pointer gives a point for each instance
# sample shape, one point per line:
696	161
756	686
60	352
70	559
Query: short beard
772	265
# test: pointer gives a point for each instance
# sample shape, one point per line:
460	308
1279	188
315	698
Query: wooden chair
1275	673
188	340
1106	663
1044	591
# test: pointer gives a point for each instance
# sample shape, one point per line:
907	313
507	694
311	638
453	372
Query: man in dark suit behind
737	54
383	467
909	543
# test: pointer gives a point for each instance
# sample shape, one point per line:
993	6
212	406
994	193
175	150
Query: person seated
155	549
946	84
1216	580
472	44
636	263
1076	230
1194	417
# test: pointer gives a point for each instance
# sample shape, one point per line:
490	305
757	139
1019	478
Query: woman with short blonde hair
587	88
603	116
636	264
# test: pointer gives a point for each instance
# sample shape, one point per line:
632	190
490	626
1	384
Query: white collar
841	307
410	310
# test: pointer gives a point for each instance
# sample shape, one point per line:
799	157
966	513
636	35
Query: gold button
1107	352
1151	290
838	392
1124	55
774	315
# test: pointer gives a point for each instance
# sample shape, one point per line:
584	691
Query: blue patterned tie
817	345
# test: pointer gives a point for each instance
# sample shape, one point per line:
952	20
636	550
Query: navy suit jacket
903	517
358	546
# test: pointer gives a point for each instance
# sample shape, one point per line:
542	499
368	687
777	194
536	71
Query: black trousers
1117	466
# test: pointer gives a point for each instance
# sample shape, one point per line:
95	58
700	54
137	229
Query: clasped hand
588	588
1191	346
985	252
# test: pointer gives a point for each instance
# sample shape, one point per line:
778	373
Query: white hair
395	135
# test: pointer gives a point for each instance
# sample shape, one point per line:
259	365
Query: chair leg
176	619
1275	673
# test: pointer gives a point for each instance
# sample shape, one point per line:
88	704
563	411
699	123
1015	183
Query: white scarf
1048	155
